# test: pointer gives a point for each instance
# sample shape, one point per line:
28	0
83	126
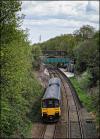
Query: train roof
52	91
54	80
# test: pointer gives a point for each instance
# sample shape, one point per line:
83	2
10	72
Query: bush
83	96
85	80
36	53
96	100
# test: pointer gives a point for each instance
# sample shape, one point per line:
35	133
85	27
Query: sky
53	18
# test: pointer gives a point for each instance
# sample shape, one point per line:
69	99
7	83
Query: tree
18	85
87	57
9	19
84	33
36	54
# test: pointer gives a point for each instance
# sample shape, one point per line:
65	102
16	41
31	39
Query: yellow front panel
51	111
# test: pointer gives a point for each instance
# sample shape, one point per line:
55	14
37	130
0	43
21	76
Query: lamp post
40	38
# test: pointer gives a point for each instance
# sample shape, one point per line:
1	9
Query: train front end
51	110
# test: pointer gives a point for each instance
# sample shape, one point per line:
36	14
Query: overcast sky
53	18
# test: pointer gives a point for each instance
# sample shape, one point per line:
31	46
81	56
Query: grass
87	101
83	96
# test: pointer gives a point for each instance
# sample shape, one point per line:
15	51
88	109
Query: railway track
72	123
42	133
65	121
76	125
73	110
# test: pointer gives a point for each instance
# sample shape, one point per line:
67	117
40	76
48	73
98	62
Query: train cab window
50	103
44	104
56	103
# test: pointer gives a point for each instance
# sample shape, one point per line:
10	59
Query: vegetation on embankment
87	99
19	87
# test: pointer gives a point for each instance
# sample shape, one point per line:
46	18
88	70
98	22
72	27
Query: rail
75	99
71	124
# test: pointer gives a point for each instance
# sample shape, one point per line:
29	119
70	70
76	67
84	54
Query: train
51	101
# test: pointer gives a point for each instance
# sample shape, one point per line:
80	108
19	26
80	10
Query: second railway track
74	116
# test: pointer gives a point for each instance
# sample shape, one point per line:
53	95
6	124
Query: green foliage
95	102
36	51
36	56
96	37
8	19
84	97
19	87
91	102
87	57
63	42
85	80
84	33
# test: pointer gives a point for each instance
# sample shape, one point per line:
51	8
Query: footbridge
58	58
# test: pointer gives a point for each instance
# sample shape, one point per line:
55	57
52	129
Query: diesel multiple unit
51	101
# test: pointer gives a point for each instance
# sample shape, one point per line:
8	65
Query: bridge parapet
54	52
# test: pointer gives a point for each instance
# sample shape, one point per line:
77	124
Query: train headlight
44	114
57	114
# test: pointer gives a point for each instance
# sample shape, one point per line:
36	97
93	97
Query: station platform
68	74
46	72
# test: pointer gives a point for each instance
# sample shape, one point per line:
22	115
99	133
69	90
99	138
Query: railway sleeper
73	116
75	130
